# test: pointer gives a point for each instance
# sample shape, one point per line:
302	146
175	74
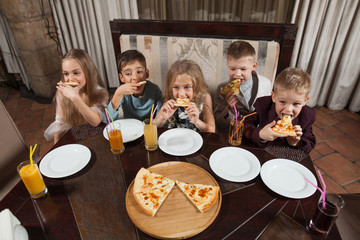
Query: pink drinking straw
321	191
324	188
235	114
107	115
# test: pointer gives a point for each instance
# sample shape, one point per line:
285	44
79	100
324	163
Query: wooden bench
163	42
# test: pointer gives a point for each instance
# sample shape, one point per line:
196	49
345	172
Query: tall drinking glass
235	131
150	135
32	179
115	138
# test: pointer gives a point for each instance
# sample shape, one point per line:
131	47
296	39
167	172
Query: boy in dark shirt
290	94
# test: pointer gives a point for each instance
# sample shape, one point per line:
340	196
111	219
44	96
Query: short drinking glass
32	179
324	218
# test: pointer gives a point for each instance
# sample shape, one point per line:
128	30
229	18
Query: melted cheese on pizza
232	86
146	180
284	126
202	196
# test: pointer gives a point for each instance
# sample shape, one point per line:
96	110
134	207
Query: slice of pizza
202	196
72	84
182	102
232	86
145	180
141	83
284	126
150	200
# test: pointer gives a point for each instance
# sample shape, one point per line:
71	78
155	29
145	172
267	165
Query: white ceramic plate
180	141
131	129
287	178
234	164
65	160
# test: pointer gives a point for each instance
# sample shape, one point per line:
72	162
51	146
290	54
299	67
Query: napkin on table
10	227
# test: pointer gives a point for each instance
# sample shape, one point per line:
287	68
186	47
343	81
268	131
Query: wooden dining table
91	204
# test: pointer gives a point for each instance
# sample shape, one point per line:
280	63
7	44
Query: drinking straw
32	150
324	188
235	114
320	190
151	113
241	122
107	115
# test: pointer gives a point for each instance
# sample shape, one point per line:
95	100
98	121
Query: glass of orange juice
115	138
150	135
32	179
235	131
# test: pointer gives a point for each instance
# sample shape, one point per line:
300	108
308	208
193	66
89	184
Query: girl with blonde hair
80	98
185	80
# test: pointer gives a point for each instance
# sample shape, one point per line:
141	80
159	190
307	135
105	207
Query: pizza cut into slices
182	102
151	199
148	180
232	86
202	196
150	190
284	126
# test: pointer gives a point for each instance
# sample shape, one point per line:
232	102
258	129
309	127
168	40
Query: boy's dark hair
240	49
130	56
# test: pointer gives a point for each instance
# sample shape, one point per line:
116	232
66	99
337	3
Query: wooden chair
163	42
13	151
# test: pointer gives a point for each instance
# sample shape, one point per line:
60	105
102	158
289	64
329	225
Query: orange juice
115	137
32	179
150	135
116	141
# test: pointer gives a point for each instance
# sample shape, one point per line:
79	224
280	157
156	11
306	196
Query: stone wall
28	20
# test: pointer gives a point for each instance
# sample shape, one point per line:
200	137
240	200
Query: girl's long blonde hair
193	70
92	94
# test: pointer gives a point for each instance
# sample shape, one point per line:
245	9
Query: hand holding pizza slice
284	126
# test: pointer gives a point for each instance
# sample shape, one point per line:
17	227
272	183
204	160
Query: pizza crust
141	83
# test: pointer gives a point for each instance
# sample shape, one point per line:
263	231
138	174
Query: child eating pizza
284	113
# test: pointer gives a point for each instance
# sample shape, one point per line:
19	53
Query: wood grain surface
177	217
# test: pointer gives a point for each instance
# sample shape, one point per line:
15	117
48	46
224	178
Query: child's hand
268	134
193	112
293	141
230	100
68	91
166	111
127	89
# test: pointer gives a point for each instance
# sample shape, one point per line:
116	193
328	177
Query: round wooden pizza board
177	217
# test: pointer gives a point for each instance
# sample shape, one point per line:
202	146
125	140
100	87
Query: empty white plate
65	160
234	164
180	141
287	178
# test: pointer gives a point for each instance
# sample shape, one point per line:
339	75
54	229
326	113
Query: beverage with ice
235	132
150	135
32	179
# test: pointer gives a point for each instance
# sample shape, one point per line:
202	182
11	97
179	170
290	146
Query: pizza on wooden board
232	86
182	102
284	126
202	196
150	190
